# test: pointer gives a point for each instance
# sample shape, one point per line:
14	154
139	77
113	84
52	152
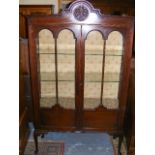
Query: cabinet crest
81	10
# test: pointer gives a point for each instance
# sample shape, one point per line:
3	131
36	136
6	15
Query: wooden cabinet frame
81	22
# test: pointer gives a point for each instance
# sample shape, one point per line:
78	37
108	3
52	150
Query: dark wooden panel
129	124
25	10
115	7
24	57
105	119
58	117
23	117
21	94
23	131
24	65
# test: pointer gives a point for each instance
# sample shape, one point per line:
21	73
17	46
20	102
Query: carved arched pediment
81	10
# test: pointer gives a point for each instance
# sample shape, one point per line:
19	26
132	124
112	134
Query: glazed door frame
98	118
43	115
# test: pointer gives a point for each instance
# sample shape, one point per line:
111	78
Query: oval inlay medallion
81	13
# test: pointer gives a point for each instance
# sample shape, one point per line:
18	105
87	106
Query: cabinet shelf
72	52
89	77
84	81
96	54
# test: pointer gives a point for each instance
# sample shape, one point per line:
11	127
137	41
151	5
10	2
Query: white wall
41	2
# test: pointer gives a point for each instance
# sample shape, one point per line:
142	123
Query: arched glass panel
112	69
93	69
46	60
66	69
102	70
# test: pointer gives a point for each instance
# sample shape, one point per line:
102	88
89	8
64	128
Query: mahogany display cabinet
79	65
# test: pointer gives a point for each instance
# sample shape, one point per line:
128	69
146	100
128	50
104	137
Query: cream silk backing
93	69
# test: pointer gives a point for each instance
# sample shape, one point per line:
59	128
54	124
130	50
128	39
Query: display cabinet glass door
103	59
56	69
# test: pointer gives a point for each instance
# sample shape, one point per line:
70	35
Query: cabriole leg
120	144
35	135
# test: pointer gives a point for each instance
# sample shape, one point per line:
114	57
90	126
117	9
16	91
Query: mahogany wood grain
80	18
129	121
23	112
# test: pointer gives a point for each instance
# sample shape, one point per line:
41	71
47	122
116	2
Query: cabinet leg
42	135
35	134
114	136
120	144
